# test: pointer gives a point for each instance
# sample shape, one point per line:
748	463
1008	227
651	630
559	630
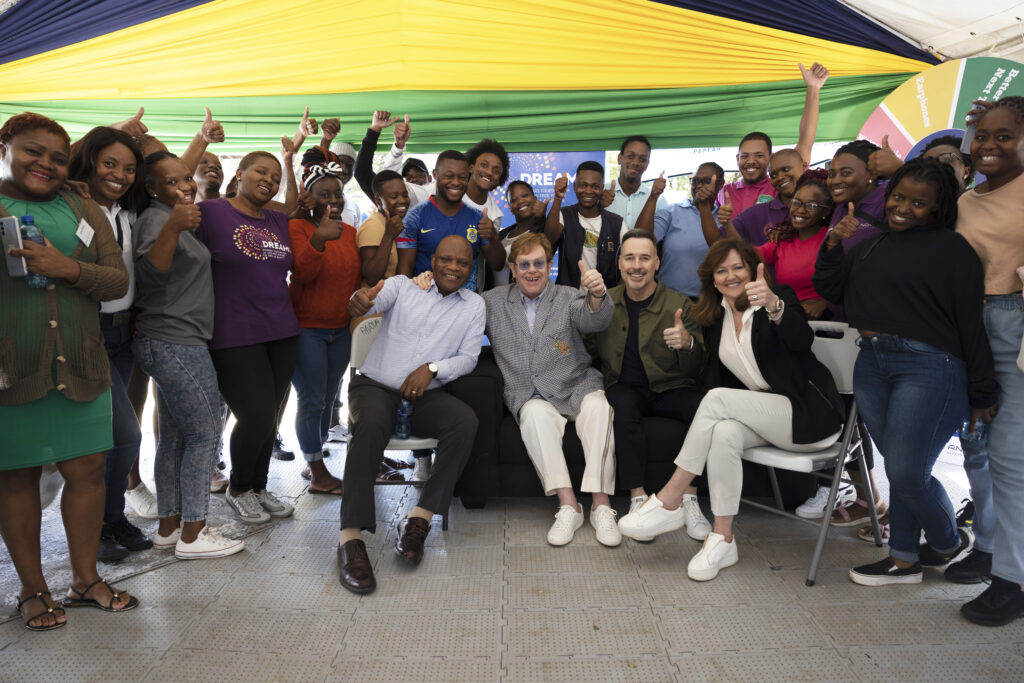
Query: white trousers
727	422
542	427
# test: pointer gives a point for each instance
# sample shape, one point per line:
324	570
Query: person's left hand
288	147
416	383
758	292
133	126
539	208
211	131
46	259
304	205
678	337
591	281
658	188
608	196
814	308
402	132
329	129
814	77
423	280
485	227
79	187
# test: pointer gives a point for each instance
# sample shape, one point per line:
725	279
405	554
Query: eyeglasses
810	206
948	157
539	264
700	181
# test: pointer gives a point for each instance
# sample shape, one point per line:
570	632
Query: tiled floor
492	602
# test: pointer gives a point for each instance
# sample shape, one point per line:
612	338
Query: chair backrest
835	345
362	340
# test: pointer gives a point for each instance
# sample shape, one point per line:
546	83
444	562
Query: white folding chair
362	339
835	346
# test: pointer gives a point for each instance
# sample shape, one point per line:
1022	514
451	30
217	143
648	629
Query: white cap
343	149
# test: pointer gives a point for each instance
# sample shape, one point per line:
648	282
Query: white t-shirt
121	221
593	229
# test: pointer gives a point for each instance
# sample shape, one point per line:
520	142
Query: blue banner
540	169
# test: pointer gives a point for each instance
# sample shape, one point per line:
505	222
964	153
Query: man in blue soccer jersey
444	214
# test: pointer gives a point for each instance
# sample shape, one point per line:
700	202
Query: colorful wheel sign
934	102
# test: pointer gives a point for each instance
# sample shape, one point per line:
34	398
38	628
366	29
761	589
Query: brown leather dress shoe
354	569
412	532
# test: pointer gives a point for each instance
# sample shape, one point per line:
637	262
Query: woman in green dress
54	377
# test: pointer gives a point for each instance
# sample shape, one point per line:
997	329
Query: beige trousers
542	428
727	422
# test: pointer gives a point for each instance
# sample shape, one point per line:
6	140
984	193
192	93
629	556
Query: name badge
84	232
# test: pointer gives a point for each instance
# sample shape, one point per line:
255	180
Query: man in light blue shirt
627	196
428	338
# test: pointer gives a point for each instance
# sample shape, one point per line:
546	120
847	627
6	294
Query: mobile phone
10	228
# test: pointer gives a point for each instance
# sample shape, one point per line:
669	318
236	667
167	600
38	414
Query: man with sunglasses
536	329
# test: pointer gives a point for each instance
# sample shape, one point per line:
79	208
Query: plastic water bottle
403	423
980	431
30	233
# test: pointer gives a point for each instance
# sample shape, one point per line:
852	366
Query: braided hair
927	170
1014	103
815	177
861	149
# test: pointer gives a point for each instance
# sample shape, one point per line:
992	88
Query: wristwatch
433	368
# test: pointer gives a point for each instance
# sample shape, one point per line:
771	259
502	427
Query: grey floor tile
420	593
247	590
443	562
756	524
104	666
533	530
718	628
466	534
839	552
421	670
294	533
299	632
251	667
906	624
169	587
950	663
283	560
12	630
611	670
570	559
729	588
583	633
833	586
671	557
447	634
781	666
93	629
574	591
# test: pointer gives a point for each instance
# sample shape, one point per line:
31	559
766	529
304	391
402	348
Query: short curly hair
488	146
26	121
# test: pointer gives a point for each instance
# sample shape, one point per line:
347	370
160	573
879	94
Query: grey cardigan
553	359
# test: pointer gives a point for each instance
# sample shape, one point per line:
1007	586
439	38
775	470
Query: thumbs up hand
591	281
845	228
884	162
561	186
725	211
362	300
678	338
132	126
608	196
211	131
658	188
758	292
485	227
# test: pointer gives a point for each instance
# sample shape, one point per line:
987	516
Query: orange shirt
323	281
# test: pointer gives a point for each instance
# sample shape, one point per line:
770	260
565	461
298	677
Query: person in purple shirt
429	337
255	331
784	169
858	194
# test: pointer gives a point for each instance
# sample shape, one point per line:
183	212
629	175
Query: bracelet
776	315
603	294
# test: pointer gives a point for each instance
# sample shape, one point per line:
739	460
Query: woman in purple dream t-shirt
255	332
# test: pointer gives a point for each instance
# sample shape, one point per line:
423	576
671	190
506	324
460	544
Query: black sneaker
927	556
884	572
965	515
221	465
126	534
111	551
974	568
1001	603
280	452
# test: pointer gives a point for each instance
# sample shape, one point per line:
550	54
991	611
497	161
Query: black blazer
784	357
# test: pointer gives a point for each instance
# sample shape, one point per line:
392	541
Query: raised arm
815	78
553	226
645	221
210	132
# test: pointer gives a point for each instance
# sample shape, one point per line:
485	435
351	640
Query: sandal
82	601
49	610
866	534
389	474
855	514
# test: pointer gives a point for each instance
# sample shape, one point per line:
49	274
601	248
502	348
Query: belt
119	319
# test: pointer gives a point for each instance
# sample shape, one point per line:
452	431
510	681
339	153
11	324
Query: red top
794	262
323	281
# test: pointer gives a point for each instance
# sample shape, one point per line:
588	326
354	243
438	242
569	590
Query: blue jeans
127	434
323	357
912	397
189	408
995	468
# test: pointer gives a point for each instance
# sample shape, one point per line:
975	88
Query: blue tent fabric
32	27
826	19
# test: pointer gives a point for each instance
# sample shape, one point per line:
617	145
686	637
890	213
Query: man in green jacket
651	356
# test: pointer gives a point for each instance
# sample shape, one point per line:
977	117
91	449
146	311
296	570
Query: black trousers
632	404
254	382
437	415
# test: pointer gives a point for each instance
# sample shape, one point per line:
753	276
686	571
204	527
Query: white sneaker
602	518
167	542
274	506
713	557
567	521
697	525
635	502
209	543
247	507
421	468
338	432
651	519
142	501
814	507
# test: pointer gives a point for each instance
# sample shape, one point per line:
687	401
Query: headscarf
314	172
